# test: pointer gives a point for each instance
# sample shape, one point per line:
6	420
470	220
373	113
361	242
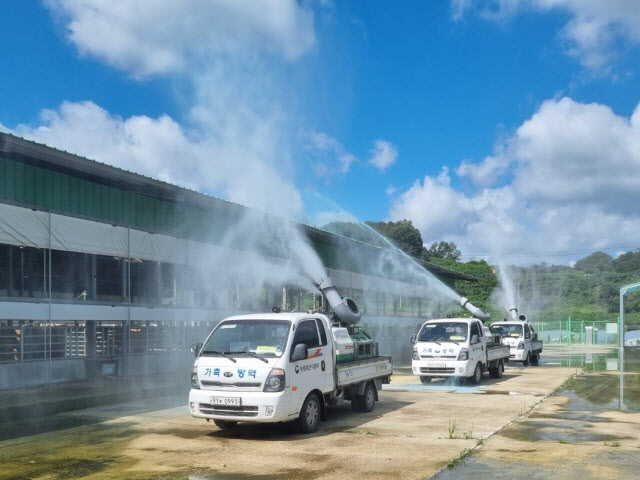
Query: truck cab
456	347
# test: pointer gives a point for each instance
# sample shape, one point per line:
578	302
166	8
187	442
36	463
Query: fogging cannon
513	311
475	311
352	343
343	307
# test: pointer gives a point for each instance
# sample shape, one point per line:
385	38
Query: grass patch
569	381
612	443
452	429
456	461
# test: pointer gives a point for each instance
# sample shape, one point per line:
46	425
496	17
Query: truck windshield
506	330
444	332
257	337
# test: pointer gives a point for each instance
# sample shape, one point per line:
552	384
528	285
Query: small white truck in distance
521	338
281	367
457	347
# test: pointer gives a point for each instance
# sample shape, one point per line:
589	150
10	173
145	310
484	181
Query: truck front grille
435	371
228	410
209	383
436	357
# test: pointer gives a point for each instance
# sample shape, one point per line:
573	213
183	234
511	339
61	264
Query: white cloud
328	154
594	34
383	154
574	172
161	148
147	37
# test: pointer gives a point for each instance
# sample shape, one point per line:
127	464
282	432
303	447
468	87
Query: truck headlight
415	355
194	379
464	354
275	381
521	346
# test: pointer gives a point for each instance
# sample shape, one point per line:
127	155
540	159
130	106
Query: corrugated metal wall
51	190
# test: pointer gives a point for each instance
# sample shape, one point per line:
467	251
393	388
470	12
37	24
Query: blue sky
502	125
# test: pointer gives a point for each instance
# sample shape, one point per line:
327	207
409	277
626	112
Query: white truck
520	337
286	367
457	347
280	367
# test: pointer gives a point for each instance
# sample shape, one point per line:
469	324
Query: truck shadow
341	419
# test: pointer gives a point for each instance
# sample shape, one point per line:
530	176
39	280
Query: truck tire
535	359
425	380
368	399
499	370
309	418
526	361
476	378
225	424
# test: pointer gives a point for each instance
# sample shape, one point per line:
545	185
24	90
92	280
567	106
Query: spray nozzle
475	311
344	308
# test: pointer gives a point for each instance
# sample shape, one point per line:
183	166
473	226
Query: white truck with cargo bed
281	367
457	347
521	338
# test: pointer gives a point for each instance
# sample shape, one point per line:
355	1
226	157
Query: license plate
226	401
436	365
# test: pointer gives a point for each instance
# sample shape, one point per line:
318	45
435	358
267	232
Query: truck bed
536	345
361	370
499	351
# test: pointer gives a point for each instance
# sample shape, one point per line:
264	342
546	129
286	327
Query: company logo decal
228	374
308	368
316	353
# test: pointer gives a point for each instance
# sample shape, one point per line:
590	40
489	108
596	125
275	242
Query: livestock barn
104	272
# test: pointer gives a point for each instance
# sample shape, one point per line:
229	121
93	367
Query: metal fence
573	331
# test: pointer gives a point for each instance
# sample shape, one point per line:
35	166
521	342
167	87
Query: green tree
442	250
597	262
628	263
356	231
402	234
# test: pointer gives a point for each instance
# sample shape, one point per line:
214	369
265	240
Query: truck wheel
425	380
225	424
499	369
535	359
526	361
477	374
368	399
309	418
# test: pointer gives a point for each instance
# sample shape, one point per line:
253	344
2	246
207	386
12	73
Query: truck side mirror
195	349
414	337
300	352
474	339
